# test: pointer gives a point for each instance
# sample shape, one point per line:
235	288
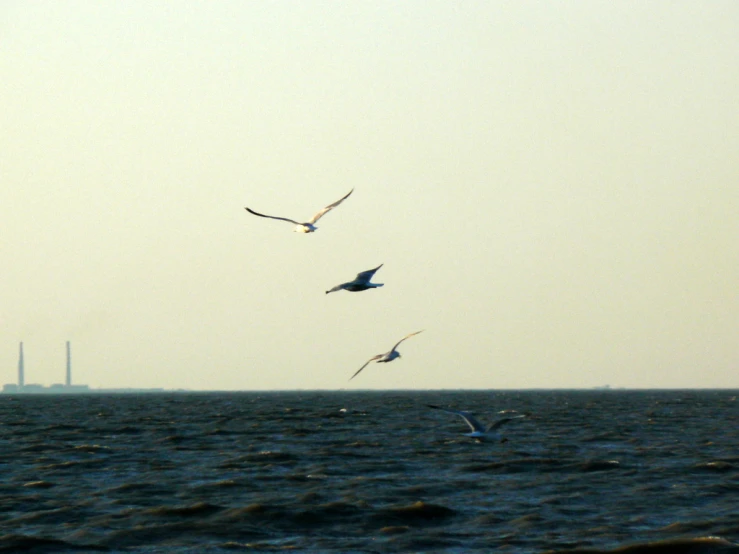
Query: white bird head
305	228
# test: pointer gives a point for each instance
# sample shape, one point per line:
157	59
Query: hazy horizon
553	190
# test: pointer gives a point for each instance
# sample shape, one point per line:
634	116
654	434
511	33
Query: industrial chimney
69	365
21	378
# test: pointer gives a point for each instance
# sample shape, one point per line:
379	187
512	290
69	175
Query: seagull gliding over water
308	226
479	431
387	356
360	282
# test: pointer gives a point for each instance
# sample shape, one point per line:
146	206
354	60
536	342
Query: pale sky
553	188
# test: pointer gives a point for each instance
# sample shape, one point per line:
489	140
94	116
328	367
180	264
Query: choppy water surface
367	472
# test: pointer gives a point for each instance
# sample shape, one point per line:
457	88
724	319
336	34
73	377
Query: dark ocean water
369	472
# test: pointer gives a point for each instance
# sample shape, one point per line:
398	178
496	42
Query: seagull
308	226
361	282
387	356
479	431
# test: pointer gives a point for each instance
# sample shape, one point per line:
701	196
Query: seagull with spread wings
479	431
309	226
387	356
360	282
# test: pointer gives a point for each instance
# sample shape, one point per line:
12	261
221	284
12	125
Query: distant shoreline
83	390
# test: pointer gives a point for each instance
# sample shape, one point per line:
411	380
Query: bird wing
468	418
272	217
365	276
405	337
501	422
328	208
365	365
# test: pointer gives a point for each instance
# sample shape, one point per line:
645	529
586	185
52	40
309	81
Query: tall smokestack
21	377
69	365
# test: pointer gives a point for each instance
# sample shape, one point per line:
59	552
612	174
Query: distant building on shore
32	388
67	388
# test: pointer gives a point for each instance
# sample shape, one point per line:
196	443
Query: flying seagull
361	282
479	431
387	356
308	226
